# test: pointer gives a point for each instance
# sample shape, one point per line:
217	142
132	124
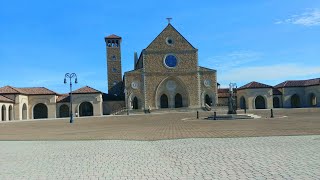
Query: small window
114	58
114	70
169	41
115	82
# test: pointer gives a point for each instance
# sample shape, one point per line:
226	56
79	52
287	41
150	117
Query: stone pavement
160	127
277	157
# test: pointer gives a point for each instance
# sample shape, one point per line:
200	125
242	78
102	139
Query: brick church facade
165	75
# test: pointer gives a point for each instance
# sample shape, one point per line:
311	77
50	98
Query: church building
165	75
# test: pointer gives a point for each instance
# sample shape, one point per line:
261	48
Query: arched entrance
295	101
260	102
313	100
164	101
24	111
86	109
178	101
64	111
10	113
242	103
135	103
207	100
40	111
3	113
276	102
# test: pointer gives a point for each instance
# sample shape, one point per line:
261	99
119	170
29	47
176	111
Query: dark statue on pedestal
232	105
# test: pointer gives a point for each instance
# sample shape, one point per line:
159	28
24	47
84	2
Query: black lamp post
70	76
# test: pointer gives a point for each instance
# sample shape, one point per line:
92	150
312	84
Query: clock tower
115	84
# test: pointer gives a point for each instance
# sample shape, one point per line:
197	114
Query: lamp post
70	76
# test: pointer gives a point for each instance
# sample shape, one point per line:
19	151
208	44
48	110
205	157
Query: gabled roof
86	90
26	91
36	91
206	69
5	99
254	84
112	36
299	83
166	28
9	90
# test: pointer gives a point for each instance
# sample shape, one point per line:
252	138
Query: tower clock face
170	61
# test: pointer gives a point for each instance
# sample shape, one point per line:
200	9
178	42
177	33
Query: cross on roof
169	19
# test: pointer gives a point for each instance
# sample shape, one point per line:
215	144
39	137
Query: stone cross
169	19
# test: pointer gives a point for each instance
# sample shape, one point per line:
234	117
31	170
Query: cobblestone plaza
290	157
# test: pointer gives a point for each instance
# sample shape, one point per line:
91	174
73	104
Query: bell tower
115	84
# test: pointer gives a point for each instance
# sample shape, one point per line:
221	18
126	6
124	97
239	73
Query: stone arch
276	102
86	109
295	101
312	100
171	86
24	111
135	103
260	102
3	113
243	104
10	110
64	111
178	101
164	102
40	111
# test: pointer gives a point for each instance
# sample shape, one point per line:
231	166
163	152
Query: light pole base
71	118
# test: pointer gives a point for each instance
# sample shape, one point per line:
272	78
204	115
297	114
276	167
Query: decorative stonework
135	85
171	85
207	83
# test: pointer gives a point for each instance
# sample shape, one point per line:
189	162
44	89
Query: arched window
10	113
135	103
260	103
86	109
164	101
3	113
64	111
243	103
40	111
178	100
313	100
276	102
295	101
24	111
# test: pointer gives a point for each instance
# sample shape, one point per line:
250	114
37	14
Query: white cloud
275	73
309	18
232	60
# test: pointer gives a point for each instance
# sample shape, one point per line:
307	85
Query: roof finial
169	19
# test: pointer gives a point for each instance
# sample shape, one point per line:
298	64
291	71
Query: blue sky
269	41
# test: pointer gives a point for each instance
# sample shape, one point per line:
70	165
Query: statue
232	105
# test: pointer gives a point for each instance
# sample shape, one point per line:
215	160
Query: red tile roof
9	90
26	91
223	93
253	85
113	36
299	83
5	99
276	92
86	90
63	98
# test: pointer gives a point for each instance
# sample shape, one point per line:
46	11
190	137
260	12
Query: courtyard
173	145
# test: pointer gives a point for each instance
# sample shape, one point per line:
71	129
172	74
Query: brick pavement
160	126
285	157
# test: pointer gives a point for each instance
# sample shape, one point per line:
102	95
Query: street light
70	76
